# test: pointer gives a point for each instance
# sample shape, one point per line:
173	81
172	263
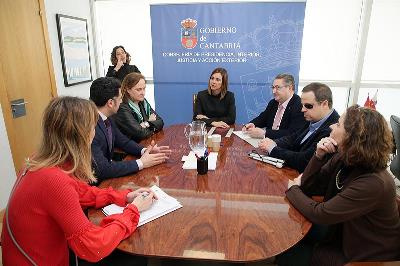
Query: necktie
278	117
109	133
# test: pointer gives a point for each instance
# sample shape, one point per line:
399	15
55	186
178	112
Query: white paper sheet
191	161
164	205
244	136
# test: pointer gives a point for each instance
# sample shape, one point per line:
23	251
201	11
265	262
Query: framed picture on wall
74	49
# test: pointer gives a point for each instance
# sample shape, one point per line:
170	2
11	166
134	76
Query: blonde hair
66	127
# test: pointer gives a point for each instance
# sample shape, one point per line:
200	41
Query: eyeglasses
308	105
311	105
278	88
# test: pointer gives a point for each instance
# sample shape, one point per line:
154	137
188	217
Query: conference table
236	213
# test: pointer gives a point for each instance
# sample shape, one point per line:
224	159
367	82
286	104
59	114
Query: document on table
190	161
164	205
244	136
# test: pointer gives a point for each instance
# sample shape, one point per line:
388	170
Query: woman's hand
296	181
324	146
119	64
144	124
201	117
152	117
220	124
144	201
132	195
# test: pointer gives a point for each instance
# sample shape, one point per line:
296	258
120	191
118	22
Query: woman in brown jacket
349	168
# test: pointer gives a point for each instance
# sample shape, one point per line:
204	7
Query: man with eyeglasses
298	148
106	94
283	114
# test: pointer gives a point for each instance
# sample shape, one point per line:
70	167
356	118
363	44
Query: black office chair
395	164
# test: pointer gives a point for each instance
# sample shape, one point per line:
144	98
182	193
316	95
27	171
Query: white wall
75	8
7	172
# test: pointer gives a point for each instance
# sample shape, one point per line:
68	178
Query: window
330	46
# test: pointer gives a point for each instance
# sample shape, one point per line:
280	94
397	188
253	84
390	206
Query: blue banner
253	41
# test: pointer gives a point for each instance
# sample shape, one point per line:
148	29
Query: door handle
17	104
18	108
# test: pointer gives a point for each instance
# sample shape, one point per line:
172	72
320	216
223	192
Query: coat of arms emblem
189	33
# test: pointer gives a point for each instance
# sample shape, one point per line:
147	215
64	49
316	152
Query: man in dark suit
106	94
283	114
298	148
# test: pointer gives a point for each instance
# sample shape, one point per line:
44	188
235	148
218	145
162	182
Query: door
26	73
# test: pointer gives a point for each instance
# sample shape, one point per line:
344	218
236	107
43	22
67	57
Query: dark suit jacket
122	72
103	165
298	155
128	122
292	119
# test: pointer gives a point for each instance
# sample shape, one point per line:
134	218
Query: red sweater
46	216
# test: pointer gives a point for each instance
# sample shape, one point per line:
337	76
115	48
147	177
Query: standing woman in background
135	117
120	60
216	105
44	215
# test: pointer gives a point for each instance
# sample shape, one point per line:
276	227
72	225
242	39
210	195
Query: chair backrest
398	203
395	164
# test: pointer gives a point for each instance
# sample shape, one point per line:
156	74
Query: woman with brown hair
216	105
135	117
350	166
44	215
120	60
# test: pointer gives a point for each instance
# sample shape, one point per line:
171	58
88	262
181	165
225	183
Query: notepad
244	136
164	205
190	161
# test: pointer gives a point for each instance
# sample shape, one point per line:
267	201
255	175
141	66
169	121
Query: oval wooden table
236	213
